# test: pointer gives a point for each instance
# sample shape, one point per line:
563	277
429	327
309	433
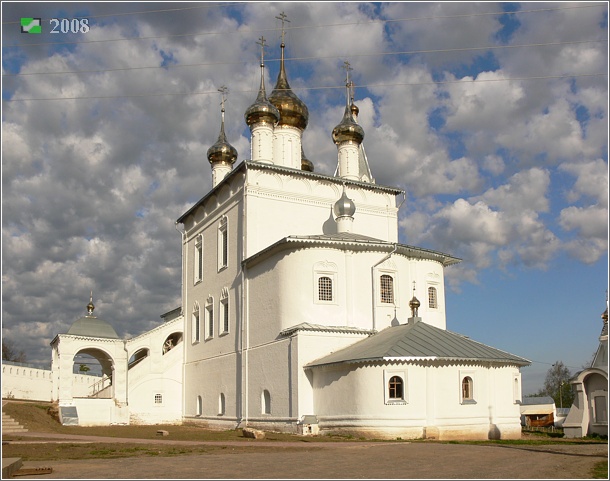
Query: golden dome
262	111
293	111
348	129
306	164
222	151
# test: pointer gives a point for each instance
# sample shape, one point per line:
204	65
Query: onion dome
414	305
306	164
348	129
293	111
262	111
345	206
91	326
222	151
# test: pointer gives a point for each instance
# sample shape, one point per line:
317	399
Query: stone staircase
9	425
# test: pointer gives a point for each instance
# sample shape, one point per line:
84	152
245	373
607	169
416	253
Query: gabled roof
418	341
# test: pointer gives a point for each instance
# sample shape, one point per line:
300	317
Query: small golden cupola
222	154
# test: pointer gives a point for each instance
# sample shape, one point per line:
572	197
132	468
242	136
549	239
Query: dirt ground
362	460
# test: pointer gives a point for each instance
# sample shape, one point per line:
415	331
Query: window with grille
395	387
387	289
432	303
325	289
199	258
158	399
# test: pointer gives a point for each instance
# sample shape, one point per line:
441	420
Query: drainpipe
185	321
245	333
375	283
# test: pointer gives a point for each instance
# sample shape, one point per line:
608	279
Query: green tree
84	368
10	353
557	385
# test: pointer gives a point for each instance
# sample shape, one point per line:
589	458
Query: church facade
300	306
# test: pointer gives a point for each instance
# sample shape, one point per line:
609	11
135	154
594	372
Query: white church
301	312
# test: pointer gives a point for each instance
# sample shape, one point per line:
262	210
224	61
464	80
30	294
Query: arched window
432	300
266	402
221	404
325	288
395	387
467	394
387	289
199	405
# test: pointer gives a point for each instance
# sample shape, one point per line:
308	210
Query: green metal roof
418	341
91	326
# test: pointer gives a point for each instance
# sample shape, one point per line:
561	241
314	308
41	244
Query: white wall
22	382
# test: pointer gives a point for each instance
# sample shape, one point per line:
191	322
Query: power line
210	64
241	32
401	84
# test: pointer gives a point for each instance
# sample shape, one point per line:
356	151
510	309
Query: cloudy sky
492	116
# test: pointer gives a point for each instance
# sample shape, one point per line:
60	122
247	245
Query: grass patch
600	470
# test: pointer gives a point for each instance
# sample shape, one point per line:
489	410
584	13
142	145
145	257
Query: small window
158	399
432	301
196	324
221	404
199	405
199	258
223	244
467	392
387	289
325	289
395	387
266	402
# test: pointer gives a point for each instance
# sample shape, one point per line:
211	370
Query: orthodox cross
347	68
262	44
223	92
283	17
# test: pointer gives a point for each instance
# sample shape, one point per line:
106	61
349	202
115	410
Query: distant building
589	412
538	411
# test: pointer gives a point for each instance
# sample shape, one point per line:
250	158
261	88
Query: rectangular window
158	399
225	315
199	259
196	327
223	244
209	310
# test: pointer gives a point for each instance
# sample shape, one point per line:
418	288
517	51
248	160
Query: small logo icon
31	25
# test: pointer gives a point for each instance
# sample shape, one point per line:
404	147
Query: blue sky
492	117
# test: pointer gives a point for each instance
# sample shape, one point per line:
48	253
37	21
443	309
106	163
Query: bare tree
557	385
10	353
